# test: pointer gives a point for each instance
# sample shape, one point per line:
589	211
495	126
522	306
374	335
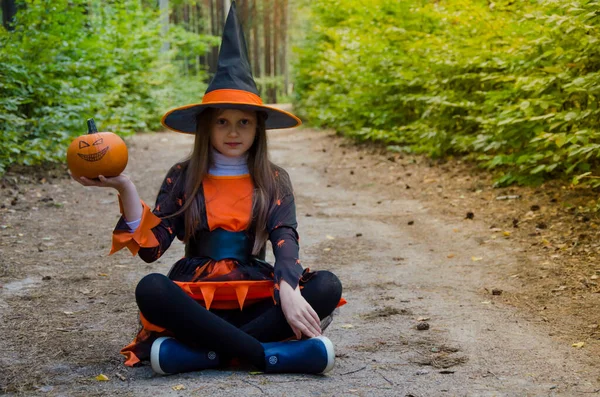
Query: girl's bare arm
132	209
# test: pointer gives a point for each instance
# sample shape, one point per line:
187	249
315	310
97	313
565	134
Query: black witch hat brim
183	119
232	87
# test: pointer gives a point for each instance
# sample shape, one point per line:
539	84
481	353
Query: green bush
69	60
513	85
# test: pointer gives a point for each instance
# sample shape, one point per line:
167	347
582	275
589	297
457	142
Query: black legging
233	333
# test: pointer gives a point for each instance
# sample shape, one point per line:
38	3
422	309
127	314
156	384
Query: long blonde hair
267	189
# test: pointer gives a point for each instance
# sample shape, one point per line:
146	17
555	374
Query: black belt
220	244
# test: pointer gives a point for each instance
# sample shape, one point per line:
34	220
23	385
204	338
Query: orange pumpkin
96	153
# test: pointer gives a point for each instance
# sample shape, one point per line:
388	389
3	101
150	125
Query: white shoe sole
330	353
155	355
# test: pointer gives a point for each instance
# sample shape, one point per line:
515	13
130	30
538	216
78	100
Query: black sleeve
284	238
169	200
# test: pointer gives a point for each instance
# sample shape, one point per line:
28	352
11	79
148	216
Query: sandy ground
66	308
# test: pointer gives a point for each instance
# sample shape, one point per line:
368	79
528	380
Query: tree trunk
226	6
185	11
255	39
219	16
276	33
267	37
245	21
214	31
164	17
284	39
186	16
200	26
9	10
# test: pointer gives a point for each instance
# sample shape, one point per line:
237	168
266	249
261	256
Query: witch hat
232	87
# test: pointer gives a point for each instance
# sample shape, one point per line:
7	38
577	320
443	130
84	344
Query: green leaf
560	140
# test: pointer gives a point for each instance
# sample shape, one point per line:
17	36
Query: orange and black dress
218	270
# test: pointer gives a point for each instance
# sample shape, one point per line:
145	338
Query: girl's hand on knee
298	312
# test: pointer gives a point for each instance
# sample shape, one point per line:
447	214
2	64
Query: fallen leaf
178	387
255	373
102	274
450	255
529	216
512	197
330	237
476	258
102	377
578	345
326	249
346	326
506	233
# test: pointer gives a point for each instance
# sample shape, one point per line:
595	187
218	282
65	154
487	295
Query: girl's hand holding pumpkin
120	182
298	312
132	209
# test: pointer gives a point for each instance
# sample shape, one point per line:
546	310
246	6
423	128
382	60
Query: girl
225	202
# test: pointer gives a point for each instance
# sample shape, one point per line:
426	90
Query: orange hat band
234	96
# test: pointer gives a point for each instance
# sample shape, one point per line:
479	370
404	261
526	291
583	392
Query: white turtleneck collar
228	166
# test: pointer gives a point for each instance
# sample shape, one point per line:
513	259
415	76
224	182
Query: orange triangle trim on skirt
228	294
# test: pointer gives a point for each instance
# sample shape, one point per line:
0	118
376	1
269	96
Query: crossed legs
230	332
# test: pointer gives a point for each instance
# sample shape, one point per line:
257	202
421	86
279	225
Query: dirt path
66	308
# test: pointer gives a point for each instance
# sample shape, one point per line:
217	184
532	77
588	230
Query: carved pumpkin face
99	153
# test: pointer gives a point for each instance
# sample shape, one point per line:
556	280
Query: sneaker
309	356
169	356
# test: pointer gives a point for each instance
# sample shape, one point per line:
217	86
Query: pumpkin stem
91	126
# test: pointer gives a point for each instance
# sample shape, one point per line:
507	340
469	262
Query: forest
124	63
512	86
